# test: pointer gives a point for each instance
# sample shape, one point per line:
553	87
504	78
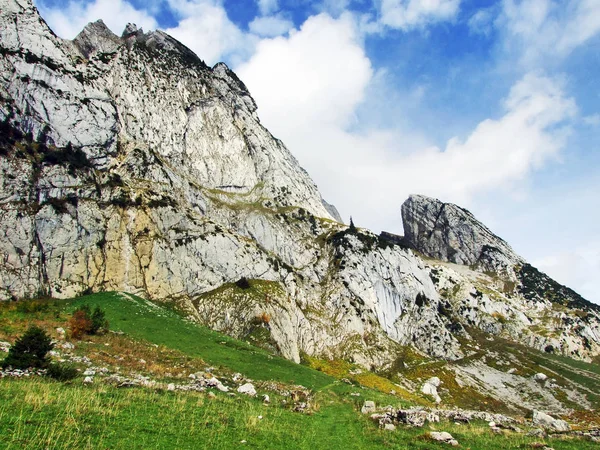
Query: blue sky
490	104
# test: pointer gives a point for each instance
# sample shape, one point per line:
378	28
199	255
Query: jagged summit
450	233
96	37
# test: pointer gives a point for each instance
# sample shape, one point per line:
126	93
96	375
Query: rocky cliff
128	164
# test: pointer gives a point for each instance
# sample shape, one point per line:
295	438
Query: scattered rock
416	417
89	372
61	333
170	387
511	371
4	346
537	432
430	388
214	382
368	407
443	436
389	427
247	389
550	423
540	377
266	398
88	380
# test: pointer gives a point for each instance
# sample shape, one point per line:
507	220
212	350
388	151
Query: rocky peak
96	38
450	233
131	30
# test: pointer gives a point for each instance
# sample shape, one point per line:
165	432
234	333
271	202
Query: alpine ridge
128	164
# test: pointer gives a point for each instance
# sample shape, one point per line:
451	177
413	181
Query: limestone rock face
450	233
128	164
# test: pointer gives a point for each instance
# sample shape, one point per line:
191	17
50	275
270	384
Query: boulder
549	423
540	377
368	407
443	436
430	388
4	346
247	389
216	383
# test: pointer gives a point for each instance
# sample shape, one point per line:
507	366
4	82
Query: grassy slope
144	320
45	414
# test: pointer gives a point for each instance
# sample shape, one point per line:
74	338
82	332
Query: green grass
38	414
143	320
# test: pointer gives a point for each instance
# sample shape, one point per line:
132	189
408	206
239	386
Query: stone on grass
389	427
247	389
368	407
171	387
540	377
443	436
548	422
88	380
430	388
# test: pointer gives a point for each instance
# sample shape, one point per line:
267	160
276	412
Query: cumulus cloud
317	75
267	6
205	27
482	21
544	29
69	19
408	14
309	85
270	26
592	121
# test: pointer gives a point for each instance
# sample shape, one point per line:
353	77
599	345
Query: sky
490	104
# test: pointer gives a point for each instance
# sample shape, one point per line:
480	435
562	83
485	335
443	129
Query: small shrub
80	324
30	350
264	318
84	321
243	283
62	372
32	306
99	322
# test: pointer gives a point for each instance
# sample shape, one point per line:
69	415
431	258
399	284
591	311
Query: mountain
128	164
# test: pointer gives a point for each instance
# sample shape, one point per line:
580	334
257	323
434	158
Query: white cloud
335	7
542	30
267	6
578	269
308	87
408	14
498	152
317	75
482	22
68	20
270	26
592	121
207	30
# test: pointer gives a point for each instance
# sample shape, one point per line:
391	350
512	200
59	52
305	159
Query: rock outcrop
450	233
128	164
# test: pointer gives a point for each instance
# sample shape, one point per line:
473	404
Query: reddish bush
80	324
